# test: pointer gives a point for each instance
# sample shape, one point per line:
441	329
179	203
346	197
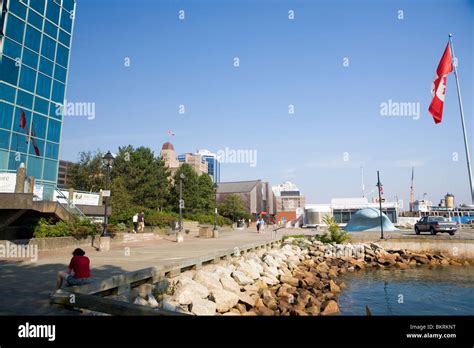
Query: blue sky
282	62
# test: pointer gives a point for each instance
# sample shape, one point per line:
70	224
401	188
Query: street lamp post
380	204
181	202
108	161
215	207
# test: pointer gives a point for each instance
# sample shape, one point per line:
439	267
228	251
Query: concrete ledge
460	249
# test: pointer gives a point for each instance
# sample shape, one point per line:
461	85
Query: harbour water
447	290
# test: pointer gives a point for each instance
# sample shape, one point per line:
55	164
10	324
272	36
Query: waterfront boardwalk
25	285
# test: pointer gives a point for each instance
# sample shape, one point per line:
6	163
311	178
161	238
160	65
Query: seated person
78	272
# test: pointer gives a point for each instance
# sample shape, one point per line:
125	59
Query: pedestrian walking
141	222
258	225
262	225
135	223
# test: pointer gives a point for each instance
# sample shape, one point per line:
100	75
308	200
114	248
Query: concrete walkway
25	285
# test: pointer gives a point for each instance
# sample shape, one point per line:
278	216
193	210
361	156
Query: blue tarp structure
368	219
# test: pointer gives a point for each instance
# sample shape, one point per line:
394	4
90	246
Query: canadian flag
438	88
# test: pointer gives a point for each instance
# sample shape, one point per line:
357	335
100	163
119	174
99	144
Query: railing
69	205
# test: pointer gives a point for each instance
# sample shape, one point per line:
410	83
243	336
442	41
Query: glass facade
35	43
213	167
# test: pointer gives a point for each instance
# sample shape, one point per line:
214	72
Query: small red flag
438	88
22	119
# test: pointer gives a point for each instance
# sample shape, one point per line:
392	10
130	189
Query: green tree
190	189
143	176
233	208
88	174
205	199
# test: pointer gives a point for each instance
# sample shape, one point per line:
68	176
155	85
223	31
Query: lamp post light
215	206
181	202
108	161
379	185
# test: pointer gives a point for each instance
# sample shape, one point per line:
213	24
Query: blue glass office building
35	42
213	167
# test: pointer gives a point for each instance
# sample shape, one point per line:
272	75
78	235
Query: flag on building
22	119
438	88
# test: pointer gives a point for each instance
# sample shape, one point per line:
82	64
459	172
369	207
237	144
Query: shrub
79	228
208	219
333	234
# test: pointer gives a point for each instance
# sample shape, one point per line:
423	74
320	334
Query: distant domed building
167	146
169	157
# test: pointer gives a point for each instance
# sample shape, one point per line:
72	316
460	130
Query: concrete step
138	237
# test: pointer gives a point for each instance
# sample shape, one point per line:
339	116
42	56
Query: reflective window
60	73
66	21
46	66
52	11
16	122
7	93
36	147
4	158
30	58
43	87
9	71
24	99
17	8
6	115
54	130
4	140
64	38
33	38
41	105
34	167
35	20
50	29
27	78
55	110
11	49
38	6
52	150
48	47
16	158
50	170
58	92
15	29
68	5
62	55
19	143
39	125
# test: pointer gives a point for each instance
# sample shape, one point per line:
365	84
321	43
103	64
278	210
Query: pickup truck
435	224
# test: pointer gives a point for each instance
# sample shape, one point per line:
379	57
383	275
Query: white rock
270	270
224	300
141	301
152	301
269	281
226	271
229	284
273	279
256	265
248	269
203	307
245	298
185	294
241	278
209	280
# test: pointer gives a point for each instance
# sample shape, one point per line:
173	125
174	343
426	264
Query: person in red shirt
78	272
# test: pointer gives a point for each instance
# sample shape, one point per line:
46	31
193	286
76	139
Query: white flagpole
466	146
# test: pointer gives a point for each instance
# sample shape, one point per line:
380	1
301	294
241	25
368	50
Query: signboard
86	198
105	193
7	182
299	212
38	193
